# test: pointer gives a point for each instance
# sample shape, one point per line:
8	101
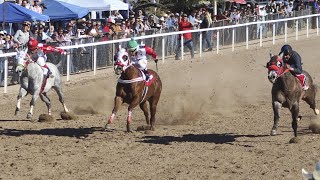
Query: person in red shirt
184	25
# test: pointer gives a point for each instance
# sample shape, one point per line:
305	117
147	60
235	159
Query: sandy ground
213	122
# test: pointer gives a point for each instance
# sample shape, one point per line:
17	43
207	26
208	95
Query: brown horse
133	90
287	92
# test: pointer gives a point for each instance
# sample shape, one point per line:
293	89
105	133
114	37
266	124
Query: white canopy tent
99	5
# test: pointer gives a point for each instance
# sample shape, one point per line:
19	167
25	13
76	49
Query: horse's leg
276	106
61	97
21	94
144	108
46	99
311	99
133	104
294	114
153	109
32	104
117	104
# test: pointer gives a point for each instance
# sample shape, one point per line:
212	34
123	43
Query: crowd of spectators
139	23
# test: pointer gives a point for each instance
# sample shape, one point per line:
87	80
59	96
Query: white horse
31	78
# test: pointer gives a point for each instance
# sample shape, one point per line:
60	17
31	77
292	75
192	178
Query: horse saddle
150	79
303	81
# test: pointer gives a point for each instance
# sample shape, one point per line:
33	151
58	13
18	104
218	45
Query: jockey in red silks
37	52
139	56
293	60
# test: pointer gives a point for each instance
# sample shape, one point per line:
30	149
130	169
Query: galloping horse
31	78
287	92
133	90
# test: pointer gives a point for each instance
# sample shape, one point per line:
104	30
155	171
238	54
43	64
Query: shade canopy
13	13
99	5
59	10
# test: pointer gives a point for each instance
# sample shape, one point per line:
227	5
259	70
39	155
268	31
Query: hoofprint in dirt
213	122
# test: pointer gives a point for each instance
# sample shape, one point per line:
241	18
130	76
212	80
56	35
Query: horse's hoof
129	129
17	111
316	111
143	128
29	116
273	132
108	128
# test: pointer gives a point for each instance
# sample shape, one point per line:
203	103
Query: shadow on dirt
68	132
226	138
13	120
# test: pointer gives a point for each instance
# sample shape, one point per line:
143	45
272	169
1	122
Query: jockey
139	58
38	52
293	60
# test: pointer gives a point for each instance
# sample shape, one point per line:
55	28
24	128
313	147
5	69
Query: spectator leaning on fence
184	25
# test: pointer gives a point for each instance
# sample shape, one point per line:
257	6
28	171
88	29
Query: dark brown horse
133	90
287	92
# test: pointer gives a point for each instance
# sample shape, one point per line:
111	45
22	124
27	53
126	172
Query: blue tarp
58	10
15	13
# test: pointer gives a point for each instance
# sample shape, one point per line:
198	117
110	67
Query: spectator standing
42	36
184	25
21	37
25	4
206	35
36	7
2	59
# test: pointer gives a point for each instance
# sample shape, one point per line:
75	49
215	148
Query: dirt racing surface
213	122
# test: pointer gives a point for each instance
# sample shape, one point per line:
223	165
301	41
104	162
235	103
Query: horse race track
213	122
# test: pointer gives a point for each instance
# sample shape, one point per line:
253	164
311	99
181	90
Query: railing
91	55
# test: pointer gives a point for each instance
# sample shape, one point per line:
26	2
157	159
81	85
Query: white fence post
68	67
307	27
6	75
218	41
285	31
247	37
233	37
163	50
95	60
297	29
317	25
182	47
273	33
200	45
260	31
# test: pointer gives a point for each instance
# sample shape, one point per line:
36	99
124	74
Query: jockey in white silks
139	56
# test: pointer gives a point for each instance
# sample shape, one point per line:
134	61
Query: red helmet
32	44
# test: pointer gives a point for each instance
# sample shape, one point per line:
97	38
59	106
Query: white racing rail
233	27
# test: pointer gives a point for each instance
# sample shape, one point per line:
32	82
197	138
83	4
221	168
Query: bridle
277	66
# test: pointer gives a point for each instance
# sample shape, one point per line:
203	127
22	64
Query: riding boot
146	72
49	74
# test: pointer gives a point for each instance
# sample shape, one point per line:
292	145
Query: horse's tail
59	64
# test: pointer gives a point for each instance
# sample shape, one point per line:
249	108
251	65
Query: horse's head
21	61
275	67
121	61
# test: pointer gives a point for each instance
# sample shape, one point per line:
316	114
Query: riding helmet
32	44
132	45
286	50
